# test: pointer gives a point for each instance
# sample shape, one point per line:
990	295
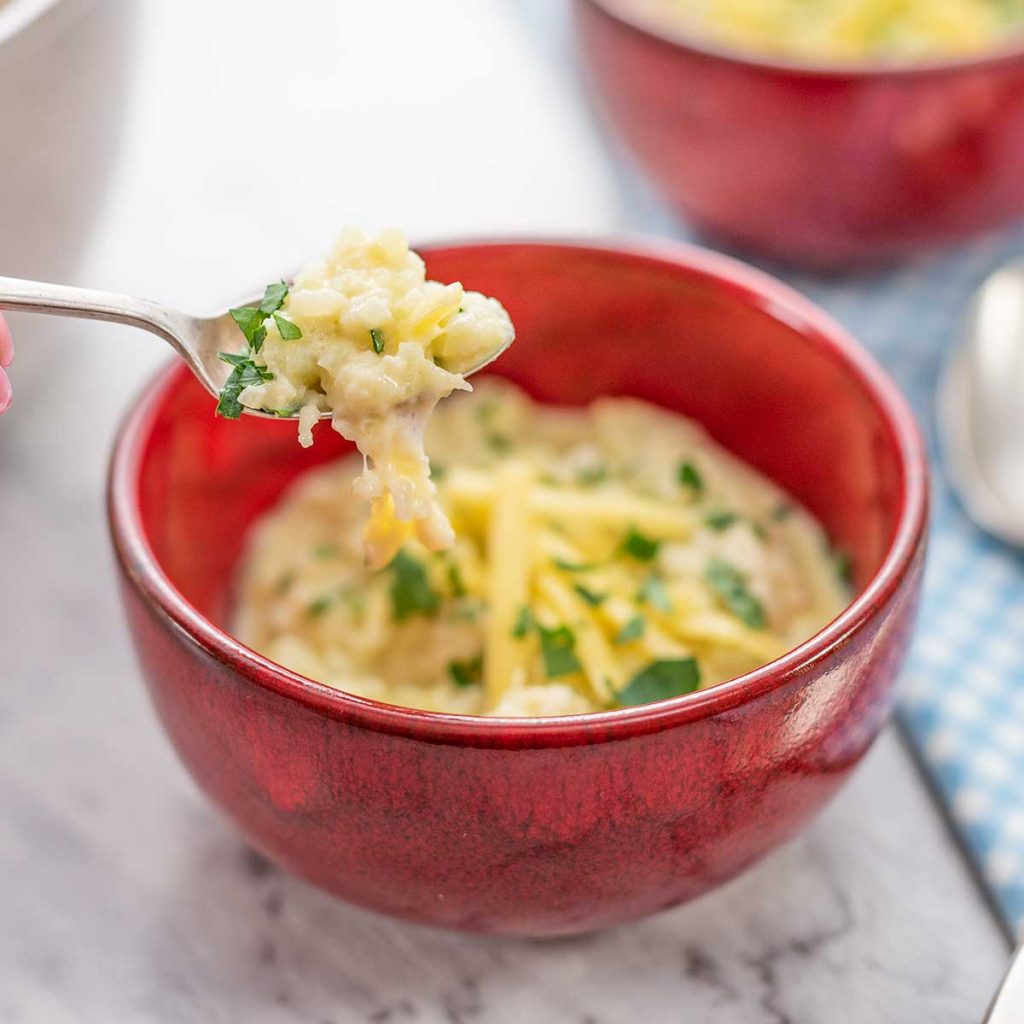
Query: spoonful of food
220	350
360	337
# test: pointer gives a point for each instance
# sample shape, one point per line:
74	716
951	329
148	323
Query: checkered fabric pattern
963	691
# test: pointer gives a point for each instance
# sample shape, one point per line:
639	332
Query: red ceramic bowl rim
762	291
652	29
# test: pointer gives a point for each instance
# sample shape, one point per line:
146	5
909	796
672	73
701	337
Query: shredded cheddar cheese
602	557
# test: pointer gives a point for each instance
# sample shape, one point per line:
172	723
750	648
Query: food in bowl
848	29
364	335
604	557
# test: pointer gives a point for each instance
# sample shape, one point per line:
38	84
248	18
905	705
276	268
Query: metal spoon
1008	1007
198	340
981	409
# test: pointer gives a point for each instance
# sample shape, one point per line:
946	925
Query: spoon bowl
980	409
198	340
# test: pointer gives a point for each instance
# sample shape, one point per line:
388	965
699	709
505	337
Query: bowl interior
769	376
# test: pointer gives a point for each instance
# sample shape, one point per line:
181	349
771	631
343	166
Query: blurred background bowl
826	166
63	89
564	825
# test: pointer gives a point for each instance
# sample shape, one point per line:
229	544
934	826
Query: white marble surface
123	898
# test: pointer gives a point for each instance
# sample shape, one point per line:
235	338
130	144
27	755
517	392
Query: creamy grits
603	557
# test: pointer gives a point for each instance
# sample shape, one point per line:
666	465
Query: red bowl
827	166
560	825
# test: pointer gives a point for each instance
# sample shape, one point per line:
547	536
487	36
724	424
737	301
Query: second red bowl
825	166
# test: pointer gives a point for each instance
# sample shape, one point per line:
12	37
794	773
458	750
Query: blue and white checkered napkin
963	700
963	691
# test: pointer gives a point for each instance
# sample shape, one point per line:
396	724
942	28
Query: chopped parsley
467	673
246	372
661	680
288	329
524	623
632	630
497	442
411	592
324	552
592	476
437	472
350	596
558	649
690	477
782	511
377	338
250	323
588	595
720	520
637	546
485	410
653	592
455	580
273	298
731	587
320	606
566	566
843	562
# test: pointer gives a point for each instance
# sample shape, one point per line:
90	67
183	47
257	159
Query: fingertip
6	343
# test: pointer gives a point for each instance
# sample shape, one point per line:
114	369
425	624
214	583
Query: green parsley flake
782	511
411	592
273	298
377	337
325	552
843	562
690	477
642	548
524	623
498	443
455	580
632	630
245	373
653	592
594	600
288	329
558	649
565	566
592	476
467	673
720	520
731	587
250	323
320	606
661	680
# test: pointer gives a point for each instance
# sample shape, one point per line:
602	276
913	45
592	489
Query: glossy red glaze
560	825
825	166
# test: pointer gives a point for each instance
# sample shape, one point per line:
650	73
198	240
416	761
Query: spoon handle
1008	1007
63	300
